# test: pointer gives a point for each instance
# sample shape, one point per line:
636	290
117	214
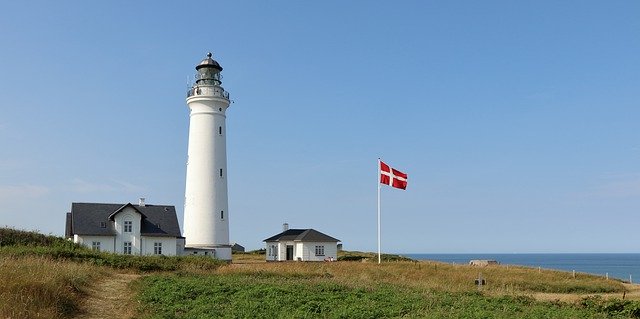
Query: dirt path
110	298
633	293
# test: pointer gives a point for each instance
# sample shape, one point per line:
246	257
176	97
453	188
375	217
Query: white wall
205	224
169	245
106	242
180	246
305	251
298	250
280	251
129	213
272	252
308	251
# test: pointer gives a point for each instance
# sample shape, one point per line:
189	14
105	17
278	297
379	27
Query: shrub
352	258
39	287
132	262
15	237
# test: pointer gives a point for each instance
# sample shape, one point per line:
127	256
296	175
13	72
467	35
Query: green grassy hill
46	276
49	277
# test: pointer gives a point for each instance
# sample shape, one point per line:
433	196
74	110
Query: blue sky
516	122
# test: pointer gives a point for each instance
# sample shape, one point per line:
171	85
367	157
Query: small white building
301	245
126	228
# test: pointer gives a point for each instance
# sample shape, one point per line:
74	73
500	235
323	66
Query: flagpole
378	177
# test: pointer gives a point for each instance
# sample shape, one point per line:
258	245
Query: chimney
141	202
285	227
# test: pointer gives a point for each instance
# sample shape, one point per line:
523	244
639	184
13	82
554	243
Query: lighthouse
206	207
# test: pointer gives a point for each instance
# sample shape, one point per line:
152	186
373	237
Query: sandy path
632	293
110	298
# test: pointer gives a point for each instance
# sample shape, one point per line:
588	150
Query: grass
250	294
252	288
116	261
47	277
366	256
39	287
441	276
16	237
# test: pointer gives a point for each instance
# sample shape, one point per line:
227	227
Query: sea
621	266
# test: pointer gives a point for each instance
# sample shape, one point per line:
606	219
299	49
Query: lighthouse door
289	252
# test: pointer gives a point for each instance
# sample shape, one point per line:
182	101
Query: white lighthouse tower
206	211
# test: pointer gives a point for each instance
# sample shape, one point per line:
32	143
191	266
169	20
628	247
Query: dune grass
43	276
47	277
441	276
40	287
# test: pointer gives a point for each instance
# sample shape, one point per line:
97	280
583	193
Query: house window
95	245
127	248
103	225
273	251
128	225
319	250
157	248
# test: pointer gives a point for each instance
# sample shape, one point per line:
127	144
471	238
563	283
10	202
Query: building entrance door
289	252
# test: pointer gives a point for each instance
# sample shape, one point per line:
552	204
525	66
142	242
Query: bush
352	258
15	237
19	243
613	307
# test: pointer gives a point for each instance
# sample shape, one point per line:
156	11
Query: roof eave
113	215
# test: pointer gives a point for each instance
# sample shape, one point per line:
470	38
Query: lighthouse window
220	109
220	130
222	214
221	172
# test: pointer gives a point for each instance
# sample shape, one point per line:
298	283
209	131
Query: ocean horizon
616	265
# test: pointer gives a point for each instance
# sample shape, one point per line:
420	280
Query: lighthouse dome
209	62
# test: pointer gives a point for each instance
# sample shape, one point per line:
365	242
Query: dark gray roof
209	63
302	235
157	220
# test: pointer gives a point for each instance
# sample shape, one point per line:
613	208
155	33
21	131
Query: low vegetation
440	276
365	256
39	287
48	277
256	294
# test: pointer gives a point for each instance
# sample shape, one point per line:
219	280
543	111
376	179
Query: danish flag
393	177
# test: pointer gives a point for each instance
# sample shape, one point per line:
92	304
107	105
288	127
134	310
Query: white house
301	245
126	228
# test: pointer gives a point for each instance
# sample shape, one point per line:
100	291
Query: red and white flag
392	176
